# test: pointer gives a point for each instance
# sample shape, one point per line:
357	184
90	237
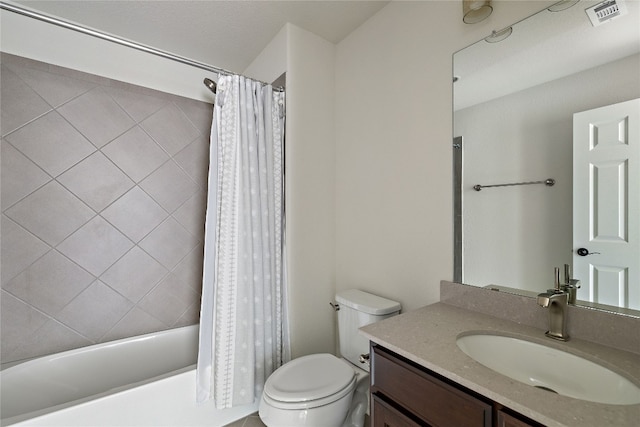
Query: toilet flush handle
364	358
335	306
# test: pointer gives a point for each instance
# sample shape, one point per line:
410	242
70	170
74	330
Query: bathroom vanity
420	377
406	394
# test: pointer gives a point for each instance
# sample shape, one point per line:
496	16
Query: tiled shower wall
103	199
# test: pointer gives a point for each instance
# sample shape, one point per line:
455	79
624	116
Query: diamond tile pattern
96	246
52	143
134	274
136	153
50	283
54	88
19	176
169	243
92	172
170	186
18	250
20	104
135	214
171	129
97	116
97	181
52	213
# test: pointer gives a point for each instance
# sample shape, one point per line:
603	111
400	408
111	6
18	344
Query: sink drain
545	388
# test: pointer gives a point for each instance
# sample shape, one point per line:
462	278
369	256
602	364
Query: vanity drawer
424	395
385	415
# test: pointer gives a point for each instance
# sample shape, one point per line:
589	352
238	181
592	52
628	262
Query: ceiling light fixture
562	5
498	36
474	11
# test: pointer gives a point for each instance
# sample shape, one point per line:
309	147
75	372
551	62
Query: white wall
528	136
393	146
310	182
27	37
310	178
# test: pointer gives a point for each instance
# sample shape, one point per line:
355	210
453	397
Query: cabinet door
506	420
424	395
385	415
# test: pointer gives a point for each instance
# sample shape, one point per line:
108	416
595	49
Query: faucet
556	300
570	285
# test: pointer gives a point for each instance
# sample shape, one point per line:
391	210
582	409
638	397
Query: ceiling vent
606	11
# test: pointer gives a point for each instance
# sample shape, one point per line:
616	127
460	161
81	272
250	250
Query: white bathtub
148	380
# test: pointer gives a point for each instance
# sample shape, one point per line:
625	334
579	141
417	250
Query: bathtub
148	380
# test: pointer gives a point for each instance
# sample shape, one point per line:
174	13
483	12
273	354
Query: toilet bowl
322	390
315	391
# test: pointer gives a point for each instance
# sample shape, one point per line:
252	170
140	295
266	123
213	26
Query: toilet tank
357	309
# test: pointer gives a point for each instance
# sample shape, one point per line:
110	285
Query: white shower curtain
243	320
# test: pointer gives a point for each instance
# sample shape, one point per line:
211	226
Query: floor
254	421
251	421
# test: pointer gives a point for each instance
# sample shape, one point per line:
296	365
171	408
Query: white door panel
606	204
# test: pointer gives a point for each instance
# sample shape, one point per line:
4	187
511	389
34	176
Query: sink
550	369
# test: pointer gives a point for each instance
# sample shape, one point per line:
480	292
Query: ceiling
227	34
544	47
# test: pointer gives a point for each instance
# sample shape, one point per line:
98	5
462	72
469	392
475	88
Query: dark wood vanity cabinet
404	394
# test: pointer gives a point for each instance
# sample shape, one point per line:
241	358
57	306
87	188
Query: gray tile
96	181
17	62
54	88
170	186
169	300
199	113
52	213
50	283
192	214
170	128
95	246
19	249
19	176
97	116
137	105
52	143
191	316
19	104
134	274
194	159
135	153
95	311
169	243
17	321
52	337
135	214
136	322
189	270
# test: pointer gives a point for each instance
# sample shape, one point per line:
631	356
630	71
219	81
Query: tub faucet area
556	300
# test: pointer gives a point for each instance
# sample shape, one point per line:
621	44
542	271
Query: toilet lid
309	378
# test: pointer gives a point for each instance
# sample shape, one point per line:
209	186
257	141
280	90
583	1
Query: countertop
427	336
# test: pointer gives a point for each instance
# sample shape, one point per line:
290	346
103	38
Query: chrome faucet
571	285
556	300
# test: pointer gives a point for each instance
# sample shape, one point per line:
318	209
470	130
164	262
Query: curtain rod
118	40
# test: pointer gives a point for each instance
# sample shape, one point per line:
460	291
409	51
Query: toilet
322	390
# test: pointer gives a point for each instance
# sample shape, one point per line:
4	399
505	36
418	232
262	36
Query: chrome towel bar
548	182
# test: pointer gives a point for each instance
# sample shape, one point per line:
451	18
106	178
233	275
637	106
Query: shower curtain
243	319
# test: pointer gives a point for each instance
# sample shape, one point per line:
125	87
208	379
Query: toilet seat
309	382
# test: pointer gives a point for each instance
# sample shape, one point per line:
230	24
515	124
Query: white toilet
322	390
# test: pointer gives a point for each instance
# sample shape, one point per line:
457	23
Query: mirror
515	96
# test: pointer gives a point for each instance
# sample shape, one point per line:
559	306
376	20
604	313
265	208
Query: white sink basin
550	369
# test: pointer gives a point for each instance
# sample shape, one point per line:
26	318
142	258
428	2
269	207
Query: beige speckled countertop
428	335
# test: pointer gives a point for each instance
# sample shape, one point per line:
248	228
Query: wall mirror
533	102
